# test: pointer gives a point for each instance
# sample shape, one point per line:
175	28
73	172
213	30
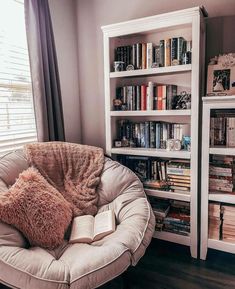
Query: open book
86	229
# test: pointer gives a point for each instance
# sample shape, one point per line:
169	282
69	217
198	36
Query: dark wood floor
169	266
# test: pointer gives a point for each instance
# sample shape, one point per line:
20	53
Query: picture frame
220	80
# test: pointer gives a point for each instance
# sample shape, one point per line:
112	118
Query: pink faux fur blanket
73	169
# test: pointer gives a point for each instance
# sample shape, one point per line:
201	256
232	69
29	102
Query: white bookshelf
210	103
189	24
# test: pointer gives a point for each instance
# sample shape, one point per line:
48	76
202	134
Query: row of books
222	222
171	215
222	174
150	134
222	128
147	97
170	51
169	175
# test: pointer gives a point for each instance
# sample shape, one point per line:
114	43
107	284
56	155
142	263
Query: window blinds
17	120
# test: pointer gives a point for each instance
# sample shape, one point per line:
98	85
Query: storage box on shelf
132	95
218	173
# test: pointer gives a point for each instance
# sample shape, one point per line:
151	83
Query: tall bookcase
188	23
210	104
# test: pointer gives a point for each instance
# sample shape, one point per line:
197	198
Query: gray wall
90	16
63	14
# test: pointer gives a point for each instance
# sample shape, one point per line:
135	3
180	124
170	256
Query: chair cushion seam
101	267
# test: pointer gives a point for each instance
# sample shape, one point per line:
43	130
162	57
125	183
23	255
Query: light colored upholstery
80	266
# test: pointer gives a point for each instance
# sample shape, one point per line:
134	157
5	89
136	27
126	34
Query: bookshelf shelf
169	195
153	71
151	152
224	198
221	246
170	237
222	151
186	112
120	40
213	103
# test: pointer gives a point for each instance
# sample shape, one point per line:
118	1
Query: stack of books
170	51
214	221
160	208
228	228
178	175
222	128
147	97
150	134
221	174
168	175
178	219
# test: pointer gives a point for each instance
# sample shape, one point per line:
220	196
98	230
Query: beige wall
79	44
92	14
63	14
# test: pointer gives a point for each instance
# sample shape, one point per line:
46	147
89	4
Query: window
17	120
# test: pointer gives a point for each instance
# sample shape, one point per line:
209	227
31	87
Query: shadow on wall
220	36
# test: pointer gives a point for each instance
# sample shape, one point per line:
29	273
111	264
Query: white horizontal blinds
17	120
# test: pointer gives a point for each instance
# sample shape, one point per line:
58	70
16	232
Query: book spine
162	53
142	135
158	137
167	52
159	97
163	97
134	104
156	57
171	92
134	61
174	51
144	52
138	55
152	128
181	48
149	55
143	97
147	134
138	97
150	96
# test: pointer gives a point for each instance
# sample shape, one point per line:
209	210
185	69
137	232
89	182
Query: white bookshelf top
222	197
221	245
152	71
168	195
151	152
171	237
222	150
182	112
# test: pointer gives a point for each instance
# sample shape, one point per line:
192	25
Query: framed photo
220	80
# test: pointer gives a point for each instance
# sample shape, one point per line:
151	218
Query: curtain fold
44	71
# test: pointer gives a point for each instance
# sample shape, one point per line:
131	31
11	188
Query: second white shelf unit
210	103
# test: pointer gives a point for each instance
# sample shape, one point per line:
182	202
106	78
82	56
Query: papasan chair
82	266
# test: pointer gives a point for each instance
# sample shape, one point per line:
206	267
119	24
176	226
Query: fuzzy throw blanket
73	169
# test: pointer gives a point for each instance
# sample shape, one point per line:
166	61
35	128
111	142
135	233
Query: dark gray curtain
44	71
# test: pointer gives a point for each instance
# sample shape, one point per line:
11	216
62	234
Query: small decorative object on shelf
173	145
221	75
130	67
186	143
182	101
119	66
